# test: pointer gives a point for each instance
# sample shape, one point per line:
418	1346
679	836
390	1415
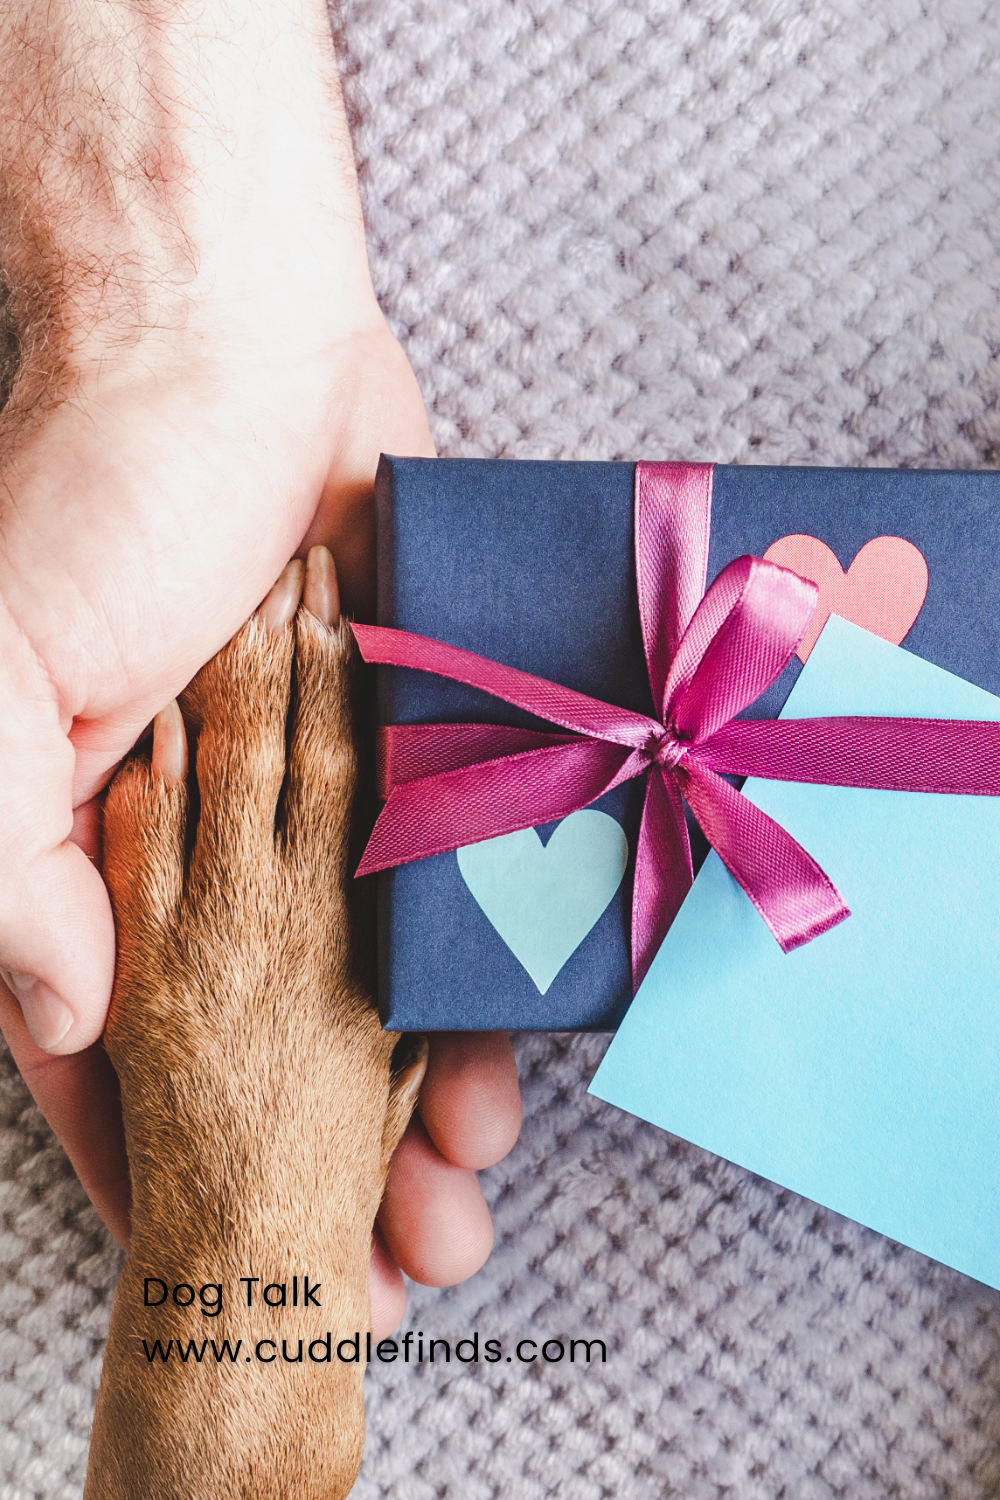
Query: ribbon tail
409	752
536	695
464	806
957	756
663	870
796	899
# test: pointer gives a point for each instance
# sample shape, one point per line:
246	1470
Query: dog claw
322	596
283	600
170	745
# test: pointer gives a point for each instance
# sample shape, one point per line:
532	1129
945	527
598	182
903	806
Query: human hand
204	386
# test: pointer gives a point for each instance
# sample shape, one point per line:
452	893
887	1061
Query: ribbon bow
449	785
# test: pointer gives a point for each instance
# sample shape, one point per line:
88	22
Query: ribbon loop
742	636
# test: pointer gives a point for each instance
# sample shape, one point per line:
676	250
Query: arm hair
127	127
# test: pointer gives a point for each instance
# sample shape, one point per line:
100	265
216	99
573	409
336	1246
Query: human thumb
56	928
57	946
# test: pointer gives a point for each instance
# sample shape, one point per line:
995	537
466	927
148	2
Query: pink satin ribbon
709	655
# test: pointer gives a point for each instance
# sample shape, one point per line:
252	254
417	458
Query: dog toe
322	761
237	707
146	817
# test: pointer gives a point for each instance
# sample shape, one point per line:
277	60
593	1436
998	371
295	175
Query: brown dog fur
260	1107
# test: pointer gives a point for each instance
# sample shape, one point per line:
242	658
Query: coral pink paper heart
883	590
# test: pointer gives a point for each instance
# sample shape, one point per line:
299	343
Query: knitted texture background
655	228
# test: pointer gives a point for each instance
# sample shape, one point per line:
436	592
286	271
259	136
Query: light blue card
863	1070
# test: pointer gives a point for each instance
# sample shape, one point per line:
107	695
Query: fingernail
46	1016
322	596
283	600
170	745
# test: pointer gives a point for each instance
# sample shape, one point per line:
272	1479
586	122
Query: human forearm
153	157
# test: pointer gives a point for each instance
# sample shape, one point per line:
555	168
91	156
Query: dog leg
257	1087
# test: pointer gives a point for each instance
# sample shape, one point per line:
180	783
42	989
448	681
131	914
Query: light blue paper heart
543	899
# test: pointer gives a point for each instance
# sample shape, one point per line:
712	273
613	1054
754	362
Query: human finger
433	1214
388	1290
56	932
78	1095
470	1100
57	947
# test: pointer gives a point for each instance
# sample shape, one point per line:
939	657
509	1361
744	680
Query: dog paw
257	1088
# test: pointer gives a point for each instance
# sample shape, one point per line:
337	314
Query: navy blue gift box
532	565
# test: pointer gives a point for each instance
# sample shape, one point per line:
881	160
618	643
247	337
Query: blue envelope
532	564
862	1070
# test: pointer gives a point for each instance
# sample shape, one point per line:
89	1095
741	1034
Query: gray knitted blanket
753	232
